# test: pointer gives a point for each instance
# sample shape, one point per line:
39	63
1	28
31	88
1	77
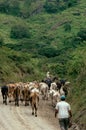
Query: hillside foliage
37	36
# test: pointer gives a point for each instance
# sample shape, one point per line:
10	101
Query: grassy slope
19	65
78	89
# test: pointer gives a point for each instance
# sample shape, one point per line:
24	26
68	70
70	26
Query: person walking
63	110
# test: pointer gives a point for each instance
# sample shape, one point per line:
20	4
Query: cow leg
32	109
35	110
10	99
5	99
25	103
17	102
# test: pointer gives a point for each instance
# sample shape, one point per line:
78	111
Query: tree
67	27
50	7
48	52
1	41
82	34
19	31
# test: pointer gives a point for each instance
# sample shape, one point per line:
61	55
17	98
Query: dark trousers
64	123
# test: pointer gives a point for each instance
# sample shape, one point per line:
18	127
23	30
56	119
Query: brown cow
34	99
16	95
11	88
26	94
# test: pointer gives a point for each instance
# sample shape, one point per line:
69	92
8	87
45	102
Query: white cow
44	90
61	91
55	96
53	86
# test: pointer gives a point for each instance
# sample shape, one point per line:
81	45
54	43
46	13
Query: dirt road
20	118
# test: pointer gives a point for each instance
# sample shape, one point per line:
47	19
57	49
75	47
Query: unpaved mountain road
20	118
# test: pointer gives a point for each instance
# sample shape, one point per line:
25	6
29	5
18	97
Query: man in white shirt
48	74
64	113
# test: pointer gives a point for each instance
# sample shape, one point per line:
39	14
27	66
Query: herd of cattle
30	93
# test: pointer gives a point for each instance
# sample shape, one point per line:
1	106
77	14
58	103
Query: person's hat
63	97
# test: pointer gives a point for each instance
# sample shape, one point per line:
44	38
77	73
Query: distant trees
48	51
9	7
19	31
53	6
50	7
24	9
77	40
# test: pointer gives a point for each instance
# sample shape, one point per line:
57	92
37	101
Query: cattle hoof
35	115
9	101
32	113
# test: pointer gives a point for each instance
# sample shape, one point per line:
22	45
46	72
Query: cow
21	85
63	86
44	90
34	100
11	87
61	91
26	94
26	89
55	96
53	86
4	91
16	95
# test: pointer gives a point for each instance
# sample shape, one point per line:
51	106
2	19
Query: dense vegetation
37	36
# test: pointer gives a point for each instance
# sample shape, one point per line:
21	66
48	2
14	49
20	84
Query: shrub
4	6
75	66
82	34
50	7
59	69
48	52
19	31
10	7
72	3
67	27
1	41
58	5
14	7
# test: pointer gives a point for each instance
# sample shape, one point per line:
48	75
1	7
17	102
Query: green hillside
37	36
